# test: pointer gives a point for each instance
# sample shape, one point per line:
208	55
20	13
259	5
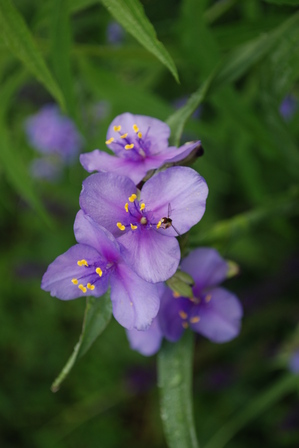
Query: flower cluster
131	213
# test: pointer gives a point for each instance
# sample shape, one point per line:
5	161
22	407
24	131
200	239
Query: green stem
256	407
175	379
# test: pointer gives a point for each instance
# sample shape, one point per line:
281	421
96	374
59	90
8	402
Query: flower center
91	274
129	144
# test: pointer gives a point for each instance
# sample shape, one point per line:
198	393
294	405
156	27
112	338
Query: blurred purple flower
144	227
180	102
140	144
212	312
294	362
89	267
50	132
45	169
114	33
288	107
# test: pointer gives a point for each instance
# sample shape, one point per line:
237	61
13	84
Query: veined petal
220	319
180	190
173	154
152	256
146	342
89	232
59	275
135	302
206	267
101	161
103	197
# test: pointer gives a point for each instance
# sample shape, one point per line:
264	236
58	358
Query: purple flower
170	203
114	33
52	133
288	107
45	168
87	269
146	342
213	312
140	144
294	362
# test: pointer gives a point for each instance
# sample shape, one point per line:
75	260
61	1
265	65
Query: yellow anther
117	128
129	146
142	207
127	207
109	141
132	197
82	263
194	319
99	271
124	135
159	224
90	286
120	226
176	295
83	289
185	324
139	135
183	315
208	298
135	127
75	281
133	227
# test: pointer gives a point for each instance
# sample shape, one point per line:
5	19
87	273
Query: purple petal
58	277
146	342
151	255
180	190
135	302
89	232
220	318
206	267
173	154
103	197
101	161
293	362
155	132
169	317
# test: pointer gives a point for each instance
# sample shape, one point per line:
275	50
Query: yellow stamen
139	135
132	197
109	141
142	207
83	289
75	281
82	263
120	226
208	298
183	315
117	128
127	207
90	286
135	127
194	319
159	224
185	324
99	271
124	135
133	227
129	146
176	295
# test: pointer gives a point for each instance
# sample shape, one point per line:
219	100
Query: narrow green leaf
254	409
60	52
97	315
174	380
130	14
20	41
284	2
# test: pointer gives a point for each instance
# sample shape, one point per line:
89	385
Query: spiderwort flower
140	144
115	33
294	362
288	107
87	269
213	312
146	223
50	132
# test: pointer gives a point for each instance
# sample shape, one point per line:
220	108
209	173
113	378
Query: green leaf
131	16
284	2
60	52
97	315
258	405
20	41
174	380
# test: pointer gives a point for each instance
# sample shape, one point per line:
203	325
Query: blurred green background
251	165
